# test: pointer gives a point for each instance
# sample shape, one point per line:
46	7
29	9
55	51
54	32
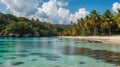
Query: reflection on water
56	52
104	55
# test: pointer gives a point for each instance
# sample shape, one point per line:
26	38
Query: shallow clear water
56	52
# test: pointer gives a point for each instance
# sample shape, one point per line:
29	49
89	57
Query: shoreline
113	40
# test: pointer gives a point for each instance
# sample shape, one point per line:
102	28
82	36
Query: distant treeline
93	24
11	25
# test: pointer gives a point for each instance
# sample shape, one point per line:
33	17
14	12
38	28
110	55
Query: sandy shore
101	39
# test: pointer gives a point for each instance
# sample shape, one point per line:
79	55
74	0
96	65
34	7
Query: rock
17	63
11	58
1	63
11	34
34	59
51	58
2	51
82	62
23	51
21	55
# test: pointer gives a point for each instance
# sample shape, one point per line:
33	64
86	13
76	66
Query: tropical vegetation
107	23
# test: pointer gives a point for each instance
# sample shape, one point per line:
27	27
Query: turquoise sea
58	52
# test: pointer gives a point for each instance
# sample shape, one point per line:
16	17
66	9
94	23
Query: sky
57	11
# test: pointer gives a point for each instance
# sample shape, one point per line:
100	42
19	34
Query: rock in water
17	63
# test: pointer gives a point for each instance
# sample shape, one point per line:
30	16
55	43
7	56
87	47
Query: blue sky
57	11
74	5
99	5
2	7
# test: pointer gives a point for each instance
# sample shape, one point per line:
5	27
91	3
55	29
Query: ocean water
58	52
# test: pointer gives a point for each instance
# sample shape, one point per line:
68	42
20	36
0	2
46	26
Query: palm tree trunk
109	31
95	30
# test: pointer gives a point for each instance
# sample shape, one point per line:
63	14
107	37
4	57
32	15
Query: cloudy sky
57	11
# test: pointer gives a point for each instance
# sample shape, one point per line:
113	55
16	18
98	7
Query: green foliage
93	24
3	19
21	26
22	19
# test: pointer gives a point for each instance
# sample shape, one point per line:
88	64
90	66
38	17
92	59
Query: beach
99	39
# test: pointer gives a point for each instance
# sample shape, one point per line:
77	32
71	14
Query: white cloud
62	3
52	11
22	7
80	14
64	15
115	7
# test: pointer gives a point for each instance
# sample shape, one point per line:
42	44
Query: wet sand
100	39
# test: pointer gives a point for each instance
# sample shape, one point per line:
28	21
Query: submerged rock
104	55
11	58
20	55
33	59
82	62
23	51
3	51
17	63
1	63
48	56
51	58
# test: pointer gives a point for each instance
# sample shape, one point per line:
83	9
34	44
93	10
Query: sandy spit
101	39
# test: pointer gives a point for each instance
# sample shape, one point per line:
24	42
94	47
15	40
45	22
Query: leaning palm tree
94	21
108	21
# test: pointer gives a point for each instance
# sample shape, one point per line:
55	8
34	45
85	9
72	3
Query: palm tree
108	21
86	24
117	18
80	27
94	21
88	27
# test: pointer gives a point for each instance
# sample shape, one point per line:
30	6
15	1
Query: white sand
103	39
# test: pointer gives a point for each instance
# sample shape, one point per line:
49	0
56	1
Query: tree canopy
94	24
